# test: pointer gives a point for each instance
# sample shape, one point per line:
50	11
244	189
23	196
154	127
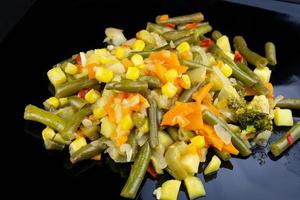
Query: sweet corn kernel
198	141
182	47
100	51
48	133
169	89
145	127
132	73
56	76
226	70
52	102
77	144
104	60
137	59
138	45
92	96
63	101
99	112
71	69
186	81
120	53
171	75
104	75
142	66
145	36
126	123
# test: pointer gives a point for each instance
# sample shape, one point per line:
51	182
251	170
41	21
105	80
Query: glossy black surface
52	31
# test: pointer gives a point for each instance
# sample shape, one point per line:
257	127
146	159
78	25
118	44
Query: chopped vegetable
283	117
194	187
213	165
170	190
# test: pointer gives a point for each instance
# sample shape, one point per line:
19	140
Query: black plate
52	31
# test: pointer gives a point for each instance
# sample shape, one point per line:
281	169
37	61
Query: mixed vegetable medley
162	99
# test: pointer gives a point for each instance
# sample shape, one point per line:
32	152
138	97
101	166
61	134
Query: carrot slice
202	92
269	86
91	72
195	118
177	113
229	148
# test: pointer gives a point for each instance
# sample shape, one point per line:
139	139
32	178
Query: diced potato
107	127
170	189
197	75
283	117
190	163
194	187
156	166
56	76
263	73
199	141
223	43
164	139
77	144
213	165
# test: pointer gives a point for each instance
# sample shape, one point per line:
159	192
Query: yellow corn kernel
126	123
182	47
100	51
132	73
77	144
92	96
63	101
137	59
52	102
226	70
120	53
171	75
142	66
145	127
56	76
145	36
104	60
104	75
48	133
99	112
169	89
71	69
198	141
138	45
186	81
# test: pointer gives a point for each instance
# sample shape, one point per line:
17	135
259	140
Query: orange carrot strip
195	118
180	110
202	92
91	72
229	148
269	86
212	137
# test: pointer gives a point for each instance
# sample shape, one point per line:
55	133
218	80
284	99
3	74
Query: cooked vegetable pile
161	100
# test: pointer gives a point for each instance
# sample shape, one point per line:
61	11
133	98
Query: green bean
128	86
71	87
291	103
160	114
91	132
259	87
88	151
185	135
52	145
153	82
151	27
133	143
211	119
193	38
186	96
223	155
237	72
34	113
74	122
173	132
286	140
66	112
77	102
177	34
216	35
255	59
137	172
152	113
270	53
192	64
195	17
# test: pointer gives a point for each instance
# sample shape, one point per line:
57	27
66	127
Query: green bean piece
134	145
160	114
211	119
240	44
185	135
153	82
52	145
138	119
286	140
151	27
216	35
195	17
177	34
270	52
88	151
74	122
237	72
186	95
34	113
128	86
137	172
91	132
66	112
290	103
152	113
172	157
77	102
223	155
192	64
173	132
72	87
259	87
